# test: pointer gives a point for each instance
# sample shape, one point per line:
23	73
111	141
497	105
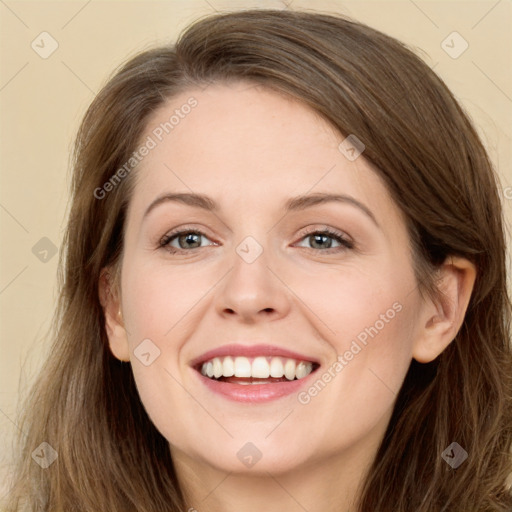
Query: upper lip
235	349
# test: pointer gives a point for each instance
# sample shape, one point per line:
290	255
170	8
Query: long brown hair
85	403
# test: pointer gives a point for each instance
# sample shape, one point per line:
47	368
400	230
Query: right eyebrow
197	200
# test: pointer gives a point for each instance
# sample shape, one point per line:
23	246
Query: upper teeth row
260	367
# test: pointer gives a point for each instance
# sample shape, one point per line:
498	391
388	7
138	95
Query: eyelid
165	239
319	228
343	239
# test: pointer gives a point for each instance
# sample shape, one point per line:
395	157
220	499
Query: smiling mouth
255	370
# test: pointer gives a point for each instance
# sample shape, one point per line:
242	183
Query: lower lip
255	393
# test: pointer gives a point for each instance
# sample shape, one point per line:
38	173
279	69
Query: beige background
42	101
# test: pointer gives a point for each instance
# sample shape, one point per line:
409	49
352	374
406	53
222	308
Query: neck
330	485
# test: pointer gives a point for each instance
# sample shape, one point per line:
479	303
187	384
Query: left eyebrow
307	201
292	204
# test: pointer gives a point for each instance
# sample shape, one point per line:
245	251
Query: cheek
359	387
368	319
156	298
356	303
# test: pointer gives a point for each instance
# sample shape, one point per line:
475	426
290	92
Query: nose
253	292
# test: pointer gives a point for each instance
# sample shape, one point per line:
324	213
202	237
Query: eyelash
345	243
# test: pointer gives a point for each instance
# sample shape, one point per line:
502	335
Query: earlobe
114	324
441	319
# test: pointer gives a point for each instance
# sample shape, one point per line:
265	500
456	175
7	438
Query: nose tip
252	292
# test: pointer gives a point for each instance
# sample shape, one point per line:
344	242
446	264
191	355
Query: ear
441	319
114	325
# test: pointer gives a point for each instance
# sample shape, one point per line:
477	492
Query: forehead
250	145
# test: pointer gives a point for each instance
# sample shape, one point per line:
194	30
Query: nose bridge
251	290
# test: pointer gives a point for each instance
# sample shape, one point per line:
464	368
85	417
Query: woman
337	335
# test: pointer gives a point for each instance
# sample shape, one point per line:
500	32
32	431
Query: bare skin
251	150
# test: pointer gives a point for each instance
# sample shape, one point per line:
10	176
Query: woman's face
275	276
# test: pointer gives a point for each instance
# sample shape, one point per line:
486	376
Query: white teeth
289	369
261	367
228	367
217	367
276	368
242	367
301	370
